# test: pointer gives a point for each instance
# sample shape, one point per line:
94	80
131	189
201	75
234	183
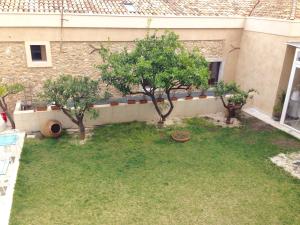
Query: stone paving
10	178
289	162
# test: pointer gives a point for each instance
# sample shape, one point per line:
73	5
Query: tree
5	91
74	96
237	98
157	64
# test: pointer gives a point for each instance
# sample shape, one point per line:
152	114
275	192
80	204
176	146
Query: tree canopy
157	63
74	96
236	98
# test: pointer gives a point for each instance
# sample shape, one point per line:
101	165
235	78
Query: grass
134	174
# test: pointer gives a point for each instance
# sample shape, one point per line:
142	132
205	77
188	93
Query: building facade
245	41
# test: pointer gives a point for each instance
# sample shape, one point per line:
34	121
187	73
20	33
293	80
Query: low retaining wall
31	121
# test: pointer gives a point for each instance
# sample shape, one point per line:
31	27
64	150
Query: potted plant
143	100
277	109
203	90
236	100
55	107
130	100
189	94
40	105
113	102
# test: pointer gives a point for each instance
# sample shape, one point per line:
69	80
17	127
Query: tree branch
181	87
67	113
224	104
233	48
94	49
137	93
171	104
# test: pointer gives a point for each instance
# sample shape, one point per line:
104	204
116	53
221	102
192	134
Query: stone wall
75	58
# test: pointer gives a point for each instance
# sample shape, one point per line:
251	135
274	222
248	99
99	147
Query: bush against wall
237	97
156	66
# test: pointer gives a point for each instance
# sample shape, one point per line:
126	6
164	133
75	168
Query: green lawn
134	174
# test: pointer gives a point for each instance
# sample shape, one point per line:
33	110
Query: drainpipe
254	7
61	25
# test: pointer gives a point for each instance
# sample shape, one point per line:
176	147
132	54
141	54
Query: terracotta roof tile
274	8
284	9
297	10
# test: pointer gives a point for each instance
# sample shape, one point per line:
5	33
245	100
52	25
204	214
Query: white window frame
221	70
295	66
30	62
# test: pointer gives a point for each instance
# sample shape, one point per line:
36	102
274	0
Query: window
215	71
38	54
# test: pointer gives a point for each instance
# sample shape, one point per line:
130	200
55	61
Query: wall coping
274	26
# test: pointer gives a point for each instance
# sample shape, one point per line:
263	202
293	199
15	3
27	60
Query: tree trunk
163	117
4	107
156	107
11	120
231	113
81	129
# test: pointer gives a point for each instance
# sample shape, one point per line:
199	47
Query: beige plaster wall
30	121
260	66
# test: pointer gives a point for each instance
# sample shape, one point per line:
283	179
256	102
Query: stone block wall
73	58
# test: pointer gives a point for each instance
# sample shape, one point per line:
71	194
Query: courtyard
133	173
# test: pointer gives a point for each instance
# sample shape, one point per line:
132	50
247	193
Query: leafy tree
236	100
157	64
74	96
5	91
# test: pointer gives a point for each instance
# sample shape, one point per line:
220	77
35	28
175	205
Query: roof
283	9
295	44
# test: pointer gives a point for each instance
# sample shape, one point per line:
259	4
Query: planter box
41	108
203	96
114	103
160	99
131	101
143	101
189	97
55	107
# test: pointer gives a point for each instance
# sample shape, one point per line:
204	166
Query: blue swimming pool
8	139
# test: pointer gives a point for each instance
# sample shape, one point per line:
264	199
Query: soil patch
286	143
219	119
257	125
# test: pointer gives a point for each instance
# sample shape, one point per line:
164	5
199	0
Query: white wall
33	121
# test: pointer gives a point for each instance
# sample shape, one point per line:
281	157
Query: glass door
291	109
